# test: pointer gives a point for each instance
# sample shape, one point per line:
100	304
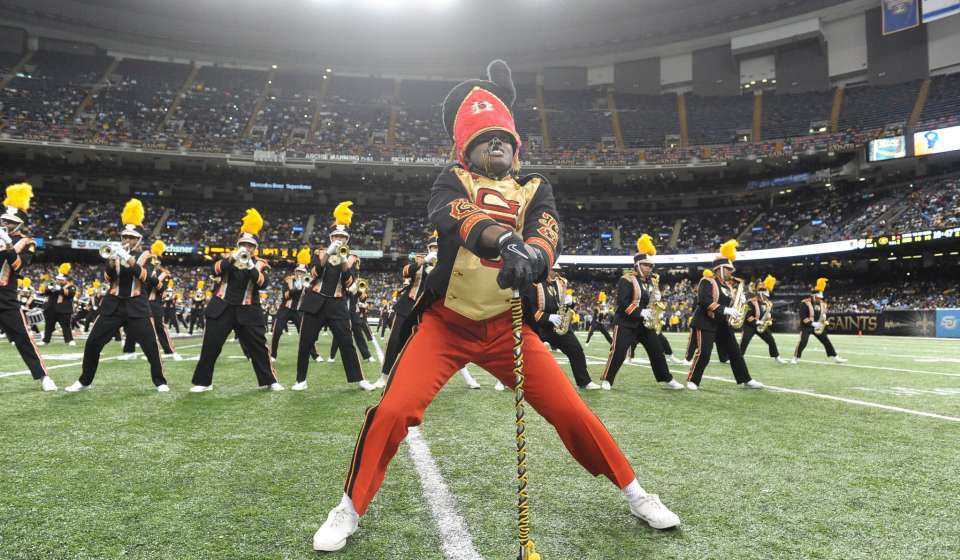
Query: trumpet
362	285
242	259
337	253
115	251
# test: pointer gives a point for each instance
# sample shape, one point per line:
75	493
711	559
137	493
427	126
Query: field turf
817	472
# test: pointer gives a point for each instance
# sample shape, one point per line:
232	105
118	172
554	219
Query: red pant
444	343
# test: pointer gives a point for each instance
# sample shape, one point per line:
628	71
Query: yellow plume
20	282
252	222
158	248
208	293
64	269
44	277
96	284
729	249
707	273
27	282
602	297
170	283
201	284
436	233
769	282
569	291
821	284
303	256
342	214
19	196
645	245
133	213
89	292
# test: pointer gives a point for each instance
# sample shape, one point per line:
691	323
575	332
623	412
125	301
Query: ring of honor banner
936	9
900	15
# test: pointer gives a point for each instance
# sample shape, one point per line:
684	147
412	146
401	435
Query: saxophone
766	320
566	315
824	323
656	306
739	303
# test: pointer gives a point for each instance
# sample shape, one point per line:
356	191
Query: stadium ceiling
411	36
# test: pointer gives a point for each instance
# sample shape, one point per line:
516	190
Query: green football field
860	460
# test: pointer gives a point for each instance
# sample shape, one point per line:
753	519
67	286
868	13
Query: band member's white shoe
371	359
176	357
590	387
72	343
201	388
320	359
687	363
77	387
752	384
839	360
780	360
672	384
277	387
302	386
794	361
674	360
691	386
41	343
332	535
473	384
272	359
47	384
366	385
605	385
381	382
126	357
499	386
163	388
650	509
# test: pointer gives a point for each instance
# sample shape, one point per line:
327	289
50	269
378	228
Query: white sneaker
366	385
301	386
692	386
72	343
672	384
76	387
41	343
752	384
839	360
687	363
590	387
277	387
127	357
163	388
371	359
499	386
176	357
472	383
47	384
381	382
780	360
201	388
333	534
605	385
272	360
320	360
674	360
794	362
650	509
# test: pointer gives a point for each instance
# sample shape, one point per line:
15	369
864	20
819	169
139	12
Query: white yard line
73	364
826	397
862	366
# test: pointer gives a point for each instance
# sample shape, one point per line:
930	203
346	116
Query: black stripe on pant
340	328
805	333
138	329
253	342
54	319
571	348
623	338
749	331
727	347
13	323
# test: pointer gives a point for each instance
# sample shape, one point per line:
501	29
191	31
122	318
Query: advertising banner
908	322
900	15
948	323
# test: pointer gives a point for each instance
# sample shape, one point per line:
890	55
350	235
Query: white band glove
646	314
731	312
5	238
817	324
555	319
568	300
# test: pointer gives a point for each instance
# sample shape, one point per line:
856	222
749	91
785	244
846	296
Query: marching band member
637	294
286	312
236	307
16	253
813	320
599	321
158	284
759	311
356	328
542	304
322	303
197	306
60	294
483	214
125	304
715	303
169	304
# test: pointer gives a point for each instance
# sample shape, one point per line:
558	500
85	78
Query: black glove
520	262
